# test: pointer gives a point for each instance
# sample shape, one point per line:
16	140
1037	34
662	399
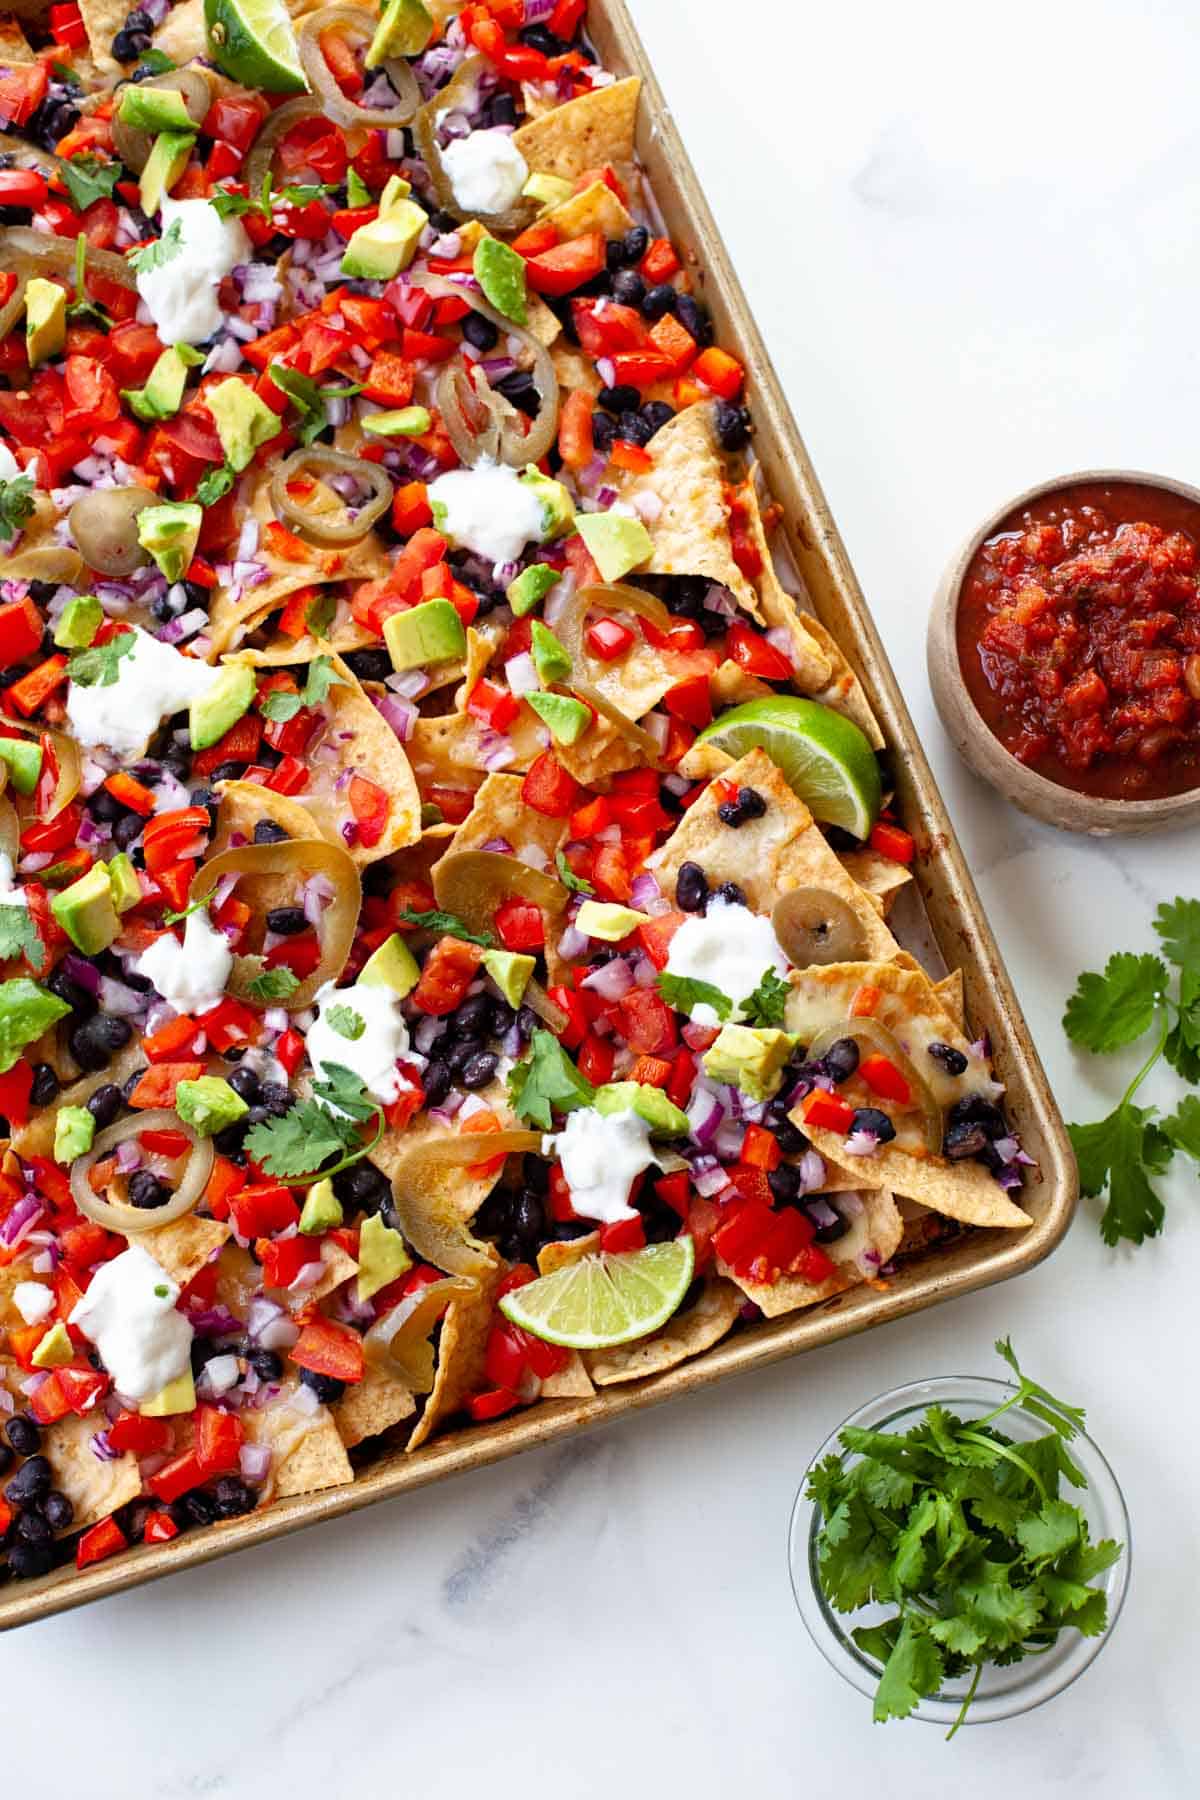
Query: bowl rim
834	1641
1051	801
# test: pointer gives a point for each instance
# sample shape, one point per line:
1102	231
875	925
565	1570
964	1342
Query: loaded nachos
444	878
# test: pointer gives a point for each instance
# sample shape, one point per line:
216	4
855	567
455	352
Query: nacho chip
875	1234
14	45
102	19
596	208
185	1246
93	1487
181	35
951	992
461	1350
845	692
697	1328
500	812
880	876
308	1453
813	668
767	856
583	134
555	1255
339	1267
965	1191
571	1382
372	1405
574	370
690	531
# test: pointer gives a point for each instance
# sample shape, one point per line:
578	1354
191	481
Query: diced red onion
572	944
101	1448
7	1403
20	1221
646	504
820	1212
612	980
254	1461
471	1105
306	1276
129	1156
710	1182
811	1169
720	600
521	674
644	890
607	370
705	1115
861	1143
304	1400
401	715
280	1334
84	972
116	998
644	973
427	1034
728	1140
220	1374
533	856
1006	1148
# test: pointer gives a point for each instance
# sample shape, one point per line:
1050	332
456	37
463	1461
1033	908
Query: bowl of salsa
1064	651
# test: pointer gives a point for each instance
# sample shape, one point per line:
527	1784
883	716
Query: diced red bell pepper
567	266
231	1024
170	1144
651	1071
171	1039
675	1191
864	1003
608	639
290	1051
20	631
32	691
828	1112
682	1078
576	1027
371	807
176	1477
519	925
239	744
674	341
660	262
172	836
690	700
130	1431
630	457
449	971
219	1438
103	1540
596	1058
744	1229
410	508
262	1210
283	1258
491	1405
720	372
647	1023
548	788
760	1148
751	651
891	841
623	1234
493	705
157	1086
575	444
656	934
329	1349
159	1528
84	1245
640	368
15	1086
504	1362
227	1179
885	1079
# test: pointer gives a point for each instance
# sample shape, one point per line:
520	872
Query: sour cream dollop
181	293
190	976
153	681
372	1054
601	1158
729	947
486	171
10	895
488	509
129	1314
9	467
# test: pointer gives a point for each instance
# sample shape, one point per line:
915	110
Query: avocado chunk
510	970
122	879
163	393
404	421
86	912
558	508
551	190
381	1256
617	544
566	717
430	632
357	191
208	1105
153	109
530	586
179	1396
244	422
170	533
550	659
500	272
74	1129
45	319
212	714
56	1349
750	1058
649	1103
608	922
80	621
24	759
404	29
166	162
322	1209
382	248
393	966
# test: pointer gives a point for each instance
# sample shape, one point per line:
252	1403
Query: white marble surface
970	237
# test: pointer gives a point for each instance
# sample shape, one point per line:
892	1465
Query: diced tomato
170	1040
493	705
15	1087
623	1234
371	807
615	327
491	1405
103	1540
519	925
86	1244
608	639
390	380
329	1349
690	700
548	788
218	1440
576	1027
647	1022
504	1361
567	266
828	1112
885	1079
891	841
263	1209
630	457
227	1179
448	972
865	1002
20	631
425	346
410	508
751	651
596	1057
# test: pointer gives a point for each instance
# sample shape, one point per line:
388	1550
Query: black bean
267	1364
540	37
503	1018
748	805
691	888
45	1084
32	1482
245	1084
267	832
373	665
527	1021
568	1229
869	1118
127	831
479	332
286	921
964	1139
6	1459
841	1059
658	301
619	399
146	1191
838	1227
228	1141
784	1183
232	1497
628	287
128	45
733	425
460	1053
72	992
502	110
634	428
97	1040
635	244
952	1060
27	1560
57	1510
276	1098
790	1138
529	1217
326	1387
474	1016
104	807
731	893
362	1188
694	318
32	1528
521	389
23	1434
200	1507
479	1070
438	1082
973	1109
604	430
657	414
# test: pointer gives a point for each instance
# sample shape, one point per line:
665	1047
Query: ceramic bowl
1033	793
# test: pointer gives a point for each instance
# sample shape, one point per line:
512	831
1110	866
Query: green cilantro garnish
548	1079
450	923
26	1010
16	505
196	905
282	704
684	994
346	1022
1120	1155
273	984
162	251
319	613
162	1291
155	62
228	205
964	1532
566	874
309	397
98	665
88	178
765	1005
81	307
18	936
292	1149
215	485
64	73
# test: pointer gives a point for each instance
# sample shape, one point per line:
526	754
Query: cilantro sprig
272	984
575	884
88	178
309	397
161	251
965	1532
99	666
16	505
765	1006
1121	1155
282	704
684	994
18	936
548	1080
446	922
296	1148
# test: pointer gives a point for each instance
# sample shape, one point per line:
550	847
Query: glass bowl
1002	1692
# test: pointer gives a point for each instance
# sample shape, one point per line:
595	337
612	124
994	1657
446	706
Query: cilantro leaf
215	485
342	1088
681	992
16	505
18	936
1110	1010
89	179
227	205
449	923
272	984
293	1148
1050	1533
197	905
765	1005
548	1079
98	665
1121	1152
1182	1126
346	1022
319	613
26	1010
574	883
309	398
162	251
913	1670
1177	923
155	62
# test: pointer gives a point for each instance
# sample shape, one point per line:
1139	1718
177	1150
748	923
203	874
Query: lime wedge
604	1300
821	754
254	43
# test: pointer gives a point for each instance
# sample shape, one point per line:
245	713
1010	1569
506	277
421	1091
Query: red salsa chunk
1079	638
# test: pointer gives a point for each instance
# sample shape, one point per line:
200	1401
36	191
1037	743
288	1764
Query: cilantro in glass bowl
960	1549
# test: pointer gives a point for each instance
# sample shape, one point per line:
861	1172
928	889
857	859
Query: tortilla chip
595	209
767	856
951	992
14	45
244	803
555	1255
339	1267
845	692
181	35
372	1405
687	1334
308	1452
875	1234
813	669
184	1247
880	876
922	1228
571	1382
574	370
461	1350
102	19
583	134
36	1138
965	1191
500	812
690	533
731	685
94	1488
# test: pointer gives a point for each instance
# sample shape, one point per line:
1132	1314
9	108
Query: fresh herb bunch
965	1533
1125	1151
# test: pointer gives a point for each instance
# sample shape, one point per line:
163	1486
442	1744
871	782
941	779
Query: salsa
1079	638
